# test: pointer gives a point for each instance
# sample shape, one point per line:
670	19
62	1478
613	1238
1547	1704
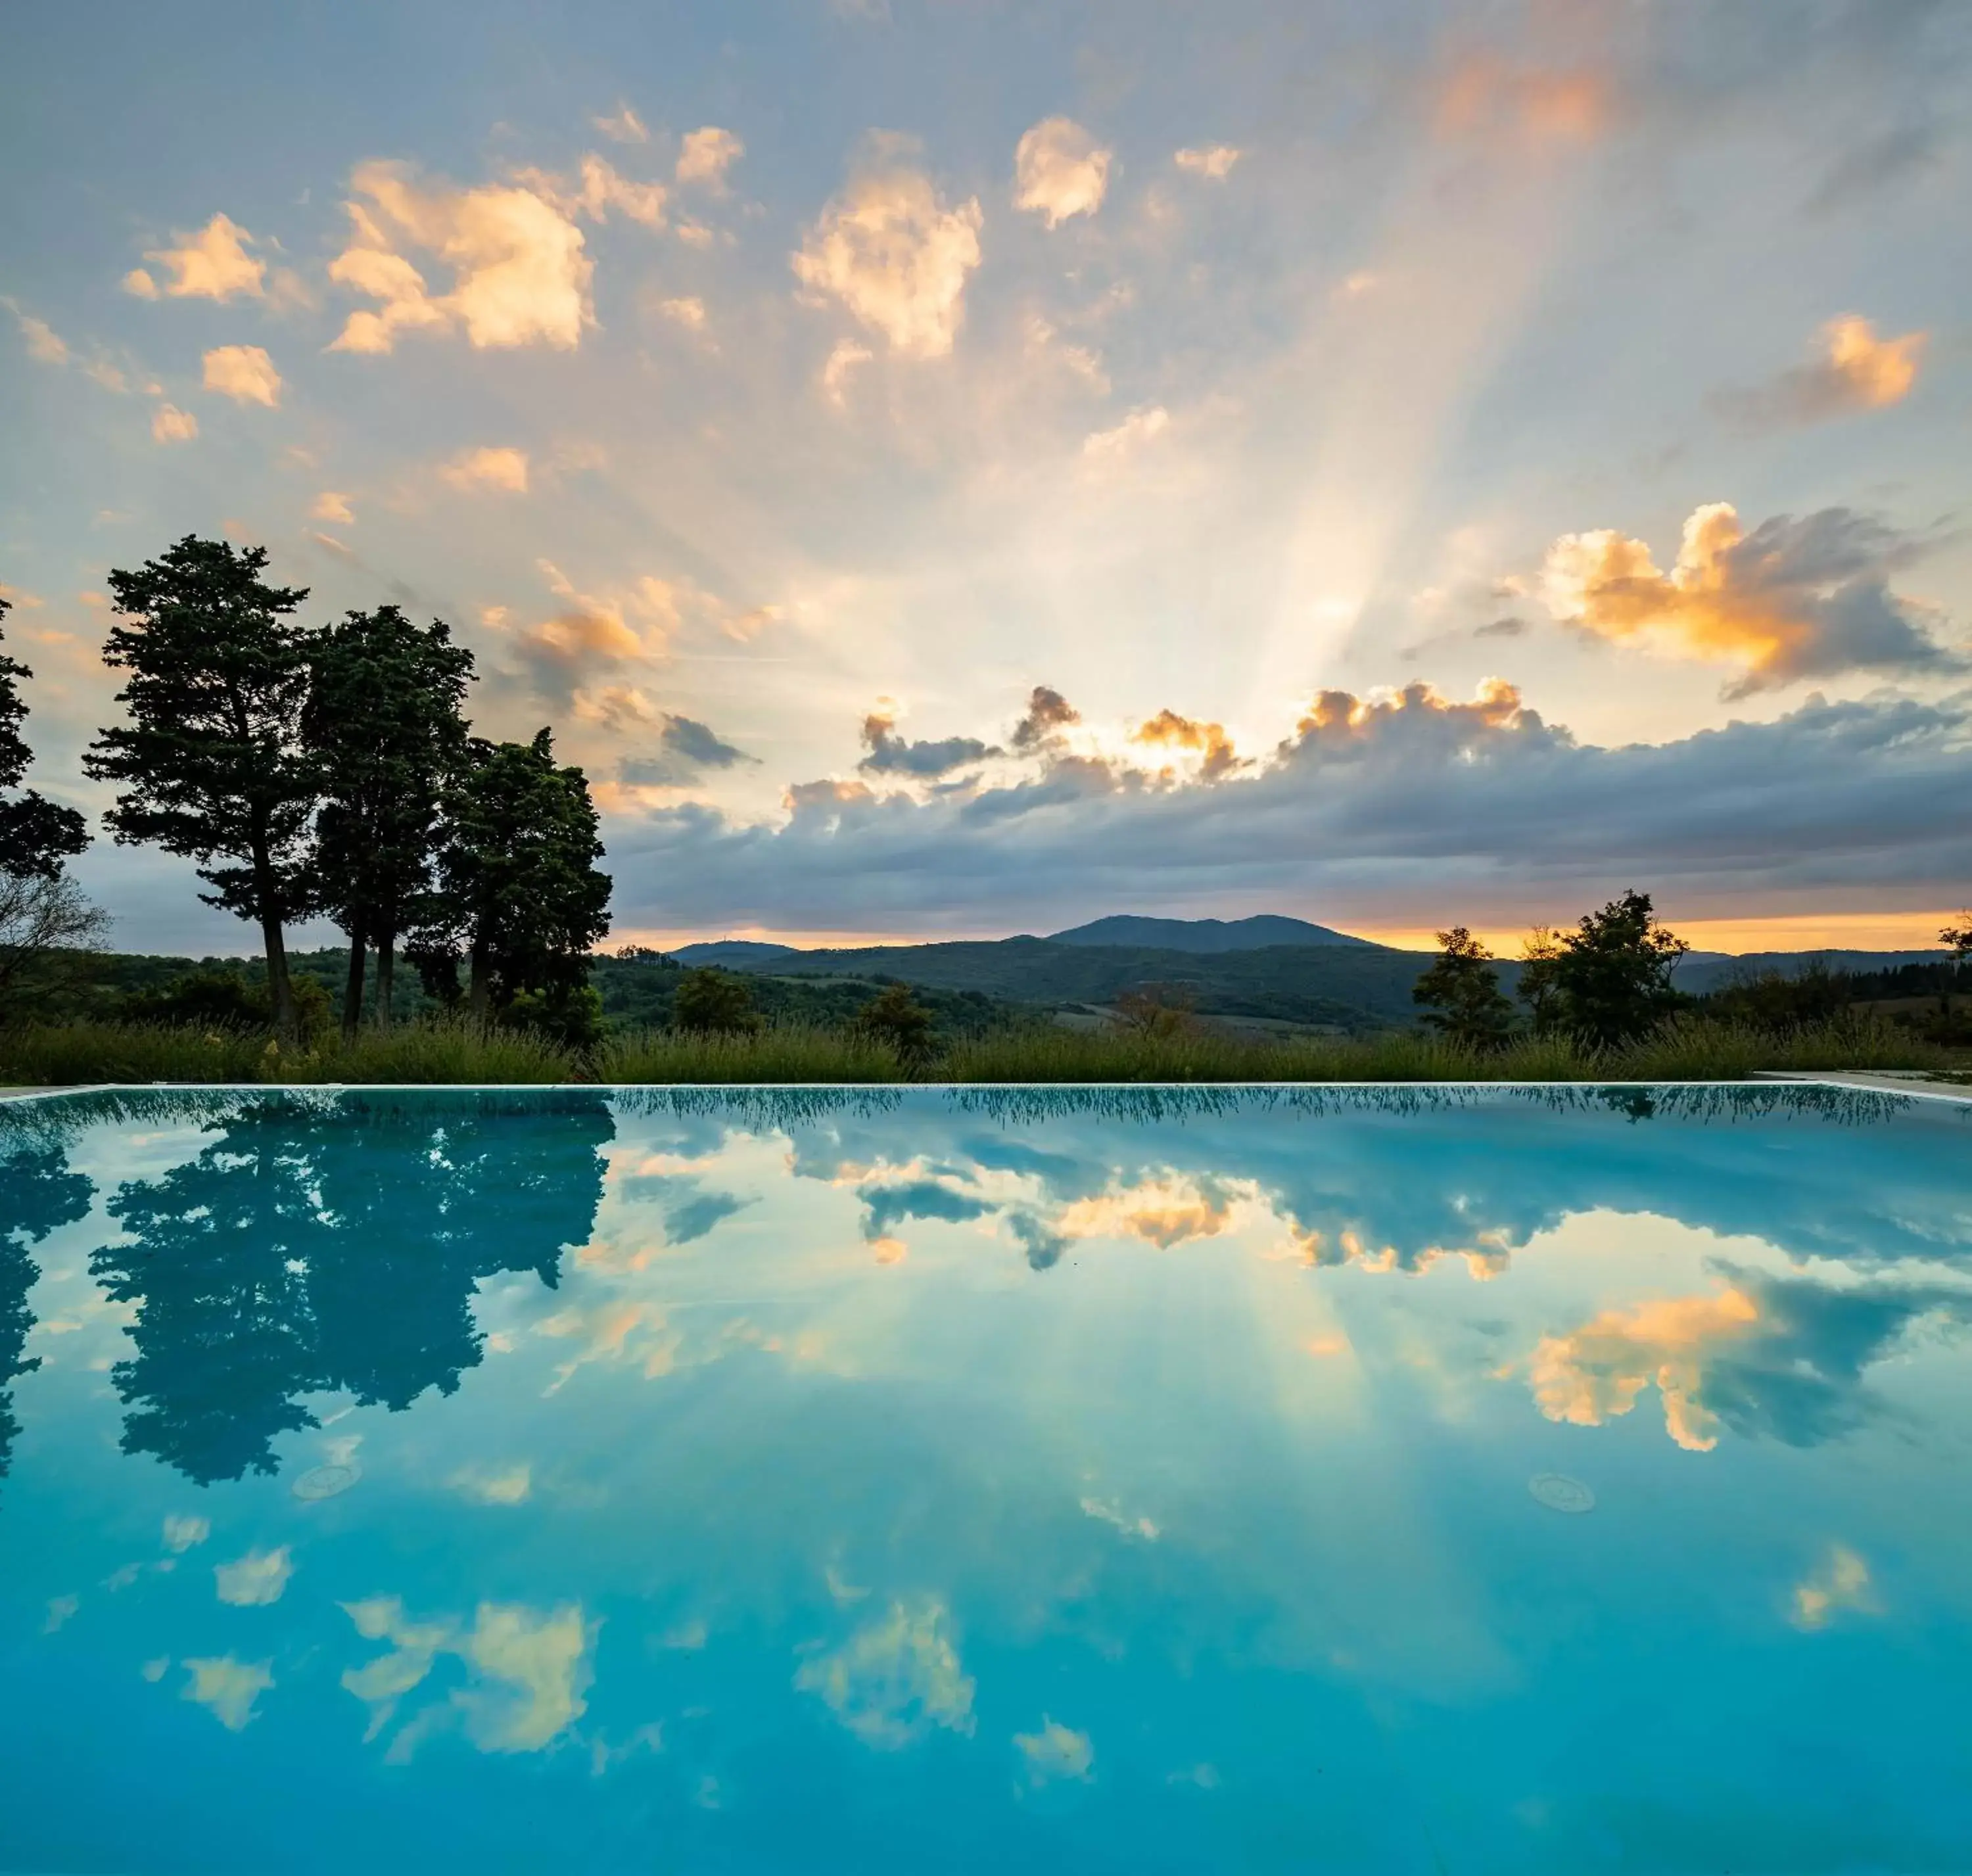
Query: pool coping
1856	1081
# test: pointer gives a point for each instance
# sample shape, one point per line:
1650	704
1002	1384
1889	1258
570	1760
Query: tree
1957	940
518	893
895	1016
1462	989
36	835
1608	982
714	1002
41	917
1539	951
211	762
1156	1010
383	721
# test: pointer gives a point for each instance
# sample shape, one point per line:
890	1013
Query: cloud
1139	428
227	1688
1484	97
1169	730
603	188
330	505
1214	162
895	1679
502	468
510	1487
891	755
1055	1751
520	275
1387	809
532	1669
213	264
182	1533
686	748
1841	1583
1060	170
44	343
1796	598
171	425
689	312
1855	371
706	156
244	373
894	255
847	356
1048	713
626	127
1509	627
259	1577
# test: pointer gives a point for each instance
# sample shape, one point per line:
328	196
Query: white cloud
171	425
181	1533
228	1689
1055	1751
1842	1584
895	1679
688	312
626	127
213	264
707	154
259	1577
1060	170
243	372
504	469
330	505
519	274
1214	161
893	255
510	1487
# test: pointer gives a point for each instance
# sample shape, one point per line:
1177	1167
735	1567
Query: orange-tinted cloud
519	274
1060	170
1595	1373
1169	730
243	372
895	256
503	469
1852	370
213	264
1793	599
1484	95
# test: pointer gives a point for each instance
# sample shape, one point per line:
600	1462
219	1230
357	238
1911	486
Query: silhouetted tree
714	1002
1956	938
211	764
1608	982
382	719
896	1017
36	835
1157	1010
37	1193
1462	991
518	894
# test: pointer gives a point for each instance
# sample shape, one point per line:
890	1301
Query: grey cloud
1406	810
1509	627
1875	162
1048	712
891	755
685	748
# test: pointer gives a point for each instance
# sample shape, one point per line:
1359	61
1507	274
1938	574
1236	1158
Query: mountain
734	953
1703	971
1205	935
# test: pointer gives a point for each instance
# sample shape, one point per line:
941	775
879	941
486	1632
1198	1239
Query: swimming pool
939	1480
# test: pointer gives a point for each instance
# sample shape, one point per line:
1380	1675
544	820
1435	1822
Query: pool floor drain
1558	1492
324	1481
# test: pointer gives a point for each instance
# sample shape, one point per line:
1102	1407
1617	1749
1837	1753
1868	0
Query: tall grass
440	1052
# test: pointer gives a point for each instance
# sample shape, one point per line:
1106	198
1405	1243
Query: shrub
714	1003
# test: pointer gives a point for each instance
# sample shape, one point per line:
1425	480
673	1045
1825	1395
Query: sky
947	469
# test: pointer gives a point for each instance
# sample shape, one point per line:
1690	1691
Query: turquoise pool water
952	1482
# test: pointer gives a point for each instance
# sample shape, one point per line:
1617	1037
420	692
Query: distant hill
1703	971
1259	933
733	954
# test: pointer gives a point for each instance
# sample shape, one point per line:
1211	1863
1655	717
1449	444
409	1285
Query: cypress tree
211	762
382	720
